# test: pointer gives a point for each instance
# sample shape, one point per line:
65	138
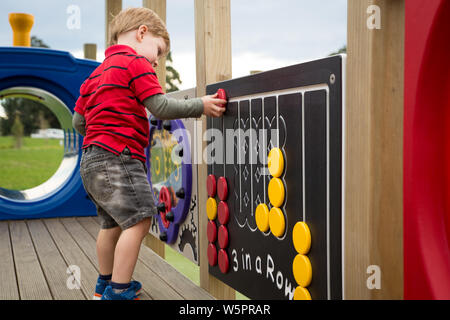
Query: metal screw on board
154	121
167	125
161	207
163	236
180	193
170	217
332	79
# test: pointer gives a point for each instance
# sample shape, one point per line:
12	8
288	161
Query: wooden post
213	57
374	150
159	7
90	51
112	8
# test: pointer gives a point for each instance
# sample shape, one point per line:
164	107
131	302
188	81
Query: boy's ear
141	32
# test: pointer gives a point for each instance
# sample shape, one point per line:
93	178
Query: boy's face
150	46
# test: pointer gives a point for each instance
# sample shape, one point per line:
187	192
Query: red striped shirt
111	102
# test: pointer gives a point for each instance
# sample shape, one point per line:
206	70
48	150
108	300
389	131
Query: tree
31	114
17	131
341	50
172	75
36	42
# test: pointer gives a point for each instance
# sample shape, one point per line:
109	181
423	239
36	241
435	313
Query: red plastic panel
224	212
224	263
211	231
221	94
223	237
164	196
427	150
212	255
222	189
211	186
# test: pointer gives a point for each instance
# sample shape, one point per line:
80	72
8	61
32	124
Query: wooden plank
9	289
54	266
73	255
159	7
155	244
84	239
173	277
156	287
90	51
112	8
30	277
152	282
374	144
213	61
87	242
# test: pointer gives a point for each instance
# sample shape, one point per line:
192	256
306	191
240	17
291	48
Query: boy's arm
165	108
79	123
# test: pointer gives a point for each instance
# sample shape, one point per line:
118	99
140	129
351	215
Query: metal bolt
332	79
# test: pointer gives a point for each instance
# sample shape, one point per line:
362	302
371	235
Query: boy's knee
144	226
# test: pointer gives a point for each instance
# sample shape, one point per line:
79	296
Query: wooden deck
35	256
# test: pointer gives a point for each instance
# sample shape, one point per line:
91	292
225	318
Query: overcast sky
266	34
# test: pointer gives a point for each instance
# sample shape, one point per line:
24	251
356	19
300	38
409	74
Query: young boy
110	113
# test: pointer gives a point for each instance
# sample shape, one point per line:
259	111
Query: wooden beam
213	58
159	7
374	150
112	8
90	51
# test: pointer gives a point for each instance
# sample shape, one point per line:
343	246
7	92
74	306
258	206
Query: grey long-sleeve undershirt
160	106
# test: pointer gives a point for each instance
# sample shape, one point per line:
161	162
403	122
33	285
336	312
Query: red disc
211	185
212	255
223	237
164	196
211	231
222	188
221	94
223	261
224	212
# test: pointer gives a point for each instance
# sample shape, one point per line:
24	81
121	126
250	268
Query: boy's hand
212	106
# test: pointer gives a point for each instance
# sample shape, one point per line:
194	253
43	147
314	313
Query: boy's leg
106	245
127	251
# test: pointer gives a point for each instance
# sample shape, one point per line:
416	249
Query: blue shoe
102	284
128	294
100	288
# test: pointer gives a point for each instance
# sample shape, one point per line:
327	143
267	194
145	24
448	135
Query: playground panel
293	114
179	181
53	78
426	216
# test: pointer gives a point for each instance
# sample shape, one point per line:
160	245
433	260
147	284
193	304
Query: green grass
183	265
29	166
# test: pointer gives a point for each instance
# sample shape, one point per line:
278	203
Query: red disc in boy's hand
221	94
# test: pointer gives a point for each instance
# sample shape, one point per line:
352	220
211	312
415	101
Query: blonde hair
132	18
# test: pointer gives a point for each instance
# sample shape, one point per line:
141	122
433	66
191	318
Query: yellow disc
276	222
276	192
211	209
302	294
301	237
276	162
302	270
262	217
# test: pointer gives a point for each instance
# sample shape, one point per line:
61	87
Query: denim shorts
118	186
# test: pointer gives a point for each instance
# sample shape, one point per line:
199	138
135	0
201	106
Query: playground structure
376	189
